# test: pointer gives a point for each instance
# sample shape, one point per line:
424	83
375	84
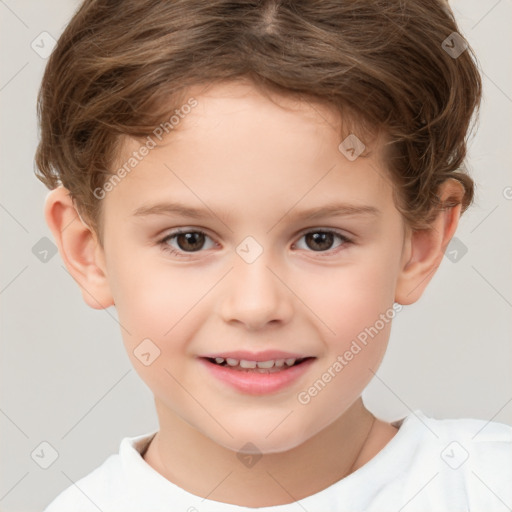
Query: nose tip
253	295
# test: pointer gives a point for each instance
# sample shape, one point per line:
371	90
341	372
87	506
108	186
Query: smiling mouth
270	366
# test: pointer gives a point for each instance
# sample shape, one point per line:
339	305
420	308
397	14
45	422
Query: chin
257	440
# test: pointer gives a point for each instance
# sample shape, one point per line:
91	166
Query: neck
202	467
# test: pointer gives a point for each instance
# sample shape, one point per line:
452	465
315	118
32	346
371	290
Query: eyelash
170	250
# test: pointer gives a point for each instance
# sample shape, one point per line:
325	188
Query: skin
256	165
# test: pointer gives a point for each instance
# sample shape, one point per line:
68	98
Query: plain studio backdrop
68	391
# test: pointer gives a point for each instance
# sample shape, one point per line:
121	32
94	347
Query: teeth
265	364
247	364
244	363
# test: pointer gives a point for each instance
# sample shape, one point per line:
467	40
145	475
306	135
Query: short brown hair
121	67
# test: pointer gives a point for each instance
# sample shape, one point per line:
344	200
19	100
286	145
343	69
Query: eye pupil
189	238
325	240
193	241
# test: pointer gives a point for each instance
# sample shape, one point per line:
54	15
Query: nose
255	295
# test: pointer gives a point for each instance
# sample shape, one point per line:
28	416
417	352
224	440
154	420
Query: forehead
245	105
242	92
245	149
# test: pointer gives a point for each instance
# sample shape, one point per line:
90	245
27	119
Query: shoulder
487	441
89	492
466	460
106	486
485	446
477	429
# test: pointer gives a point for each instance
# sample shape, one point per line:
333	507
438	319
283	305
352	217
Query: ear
79	248
424	249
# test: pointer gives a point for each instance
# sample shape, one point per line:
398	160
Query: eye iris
189	238
193	240
320	238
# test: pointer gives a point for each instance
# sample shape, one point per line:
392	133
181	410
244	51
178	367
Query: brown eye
320	241
323	240
184	243
192	241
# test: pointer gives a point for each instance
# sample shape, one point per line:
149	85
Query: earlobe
424	249
79	248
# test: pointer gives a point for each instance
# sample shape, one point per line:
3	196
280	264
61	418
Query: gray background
65	378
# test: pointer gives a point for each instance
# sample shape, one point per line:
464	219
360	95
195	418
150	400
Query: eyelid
340	232
301	233
169	250
345	240
177	231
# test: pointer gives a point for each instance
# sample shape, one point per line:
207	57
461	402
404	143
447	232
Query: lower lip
255	383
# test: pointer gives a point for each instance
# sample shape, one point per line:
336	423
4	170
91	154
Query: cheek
160	303
355	308
152	296
348	299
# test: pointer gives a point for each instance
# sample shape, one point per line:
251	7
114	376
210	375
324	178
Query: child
259	187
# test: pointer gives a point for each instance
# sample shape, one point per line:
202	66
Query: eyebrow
326	210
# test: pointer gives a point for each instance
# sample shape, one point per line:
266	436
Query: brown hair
122	67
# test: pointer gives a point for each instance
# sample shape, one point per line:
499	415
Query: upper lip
265	355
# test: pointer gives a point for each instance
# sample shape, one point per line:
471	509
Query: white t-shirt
429	465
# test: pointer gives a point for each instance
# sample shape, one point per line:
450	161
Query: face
247	238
